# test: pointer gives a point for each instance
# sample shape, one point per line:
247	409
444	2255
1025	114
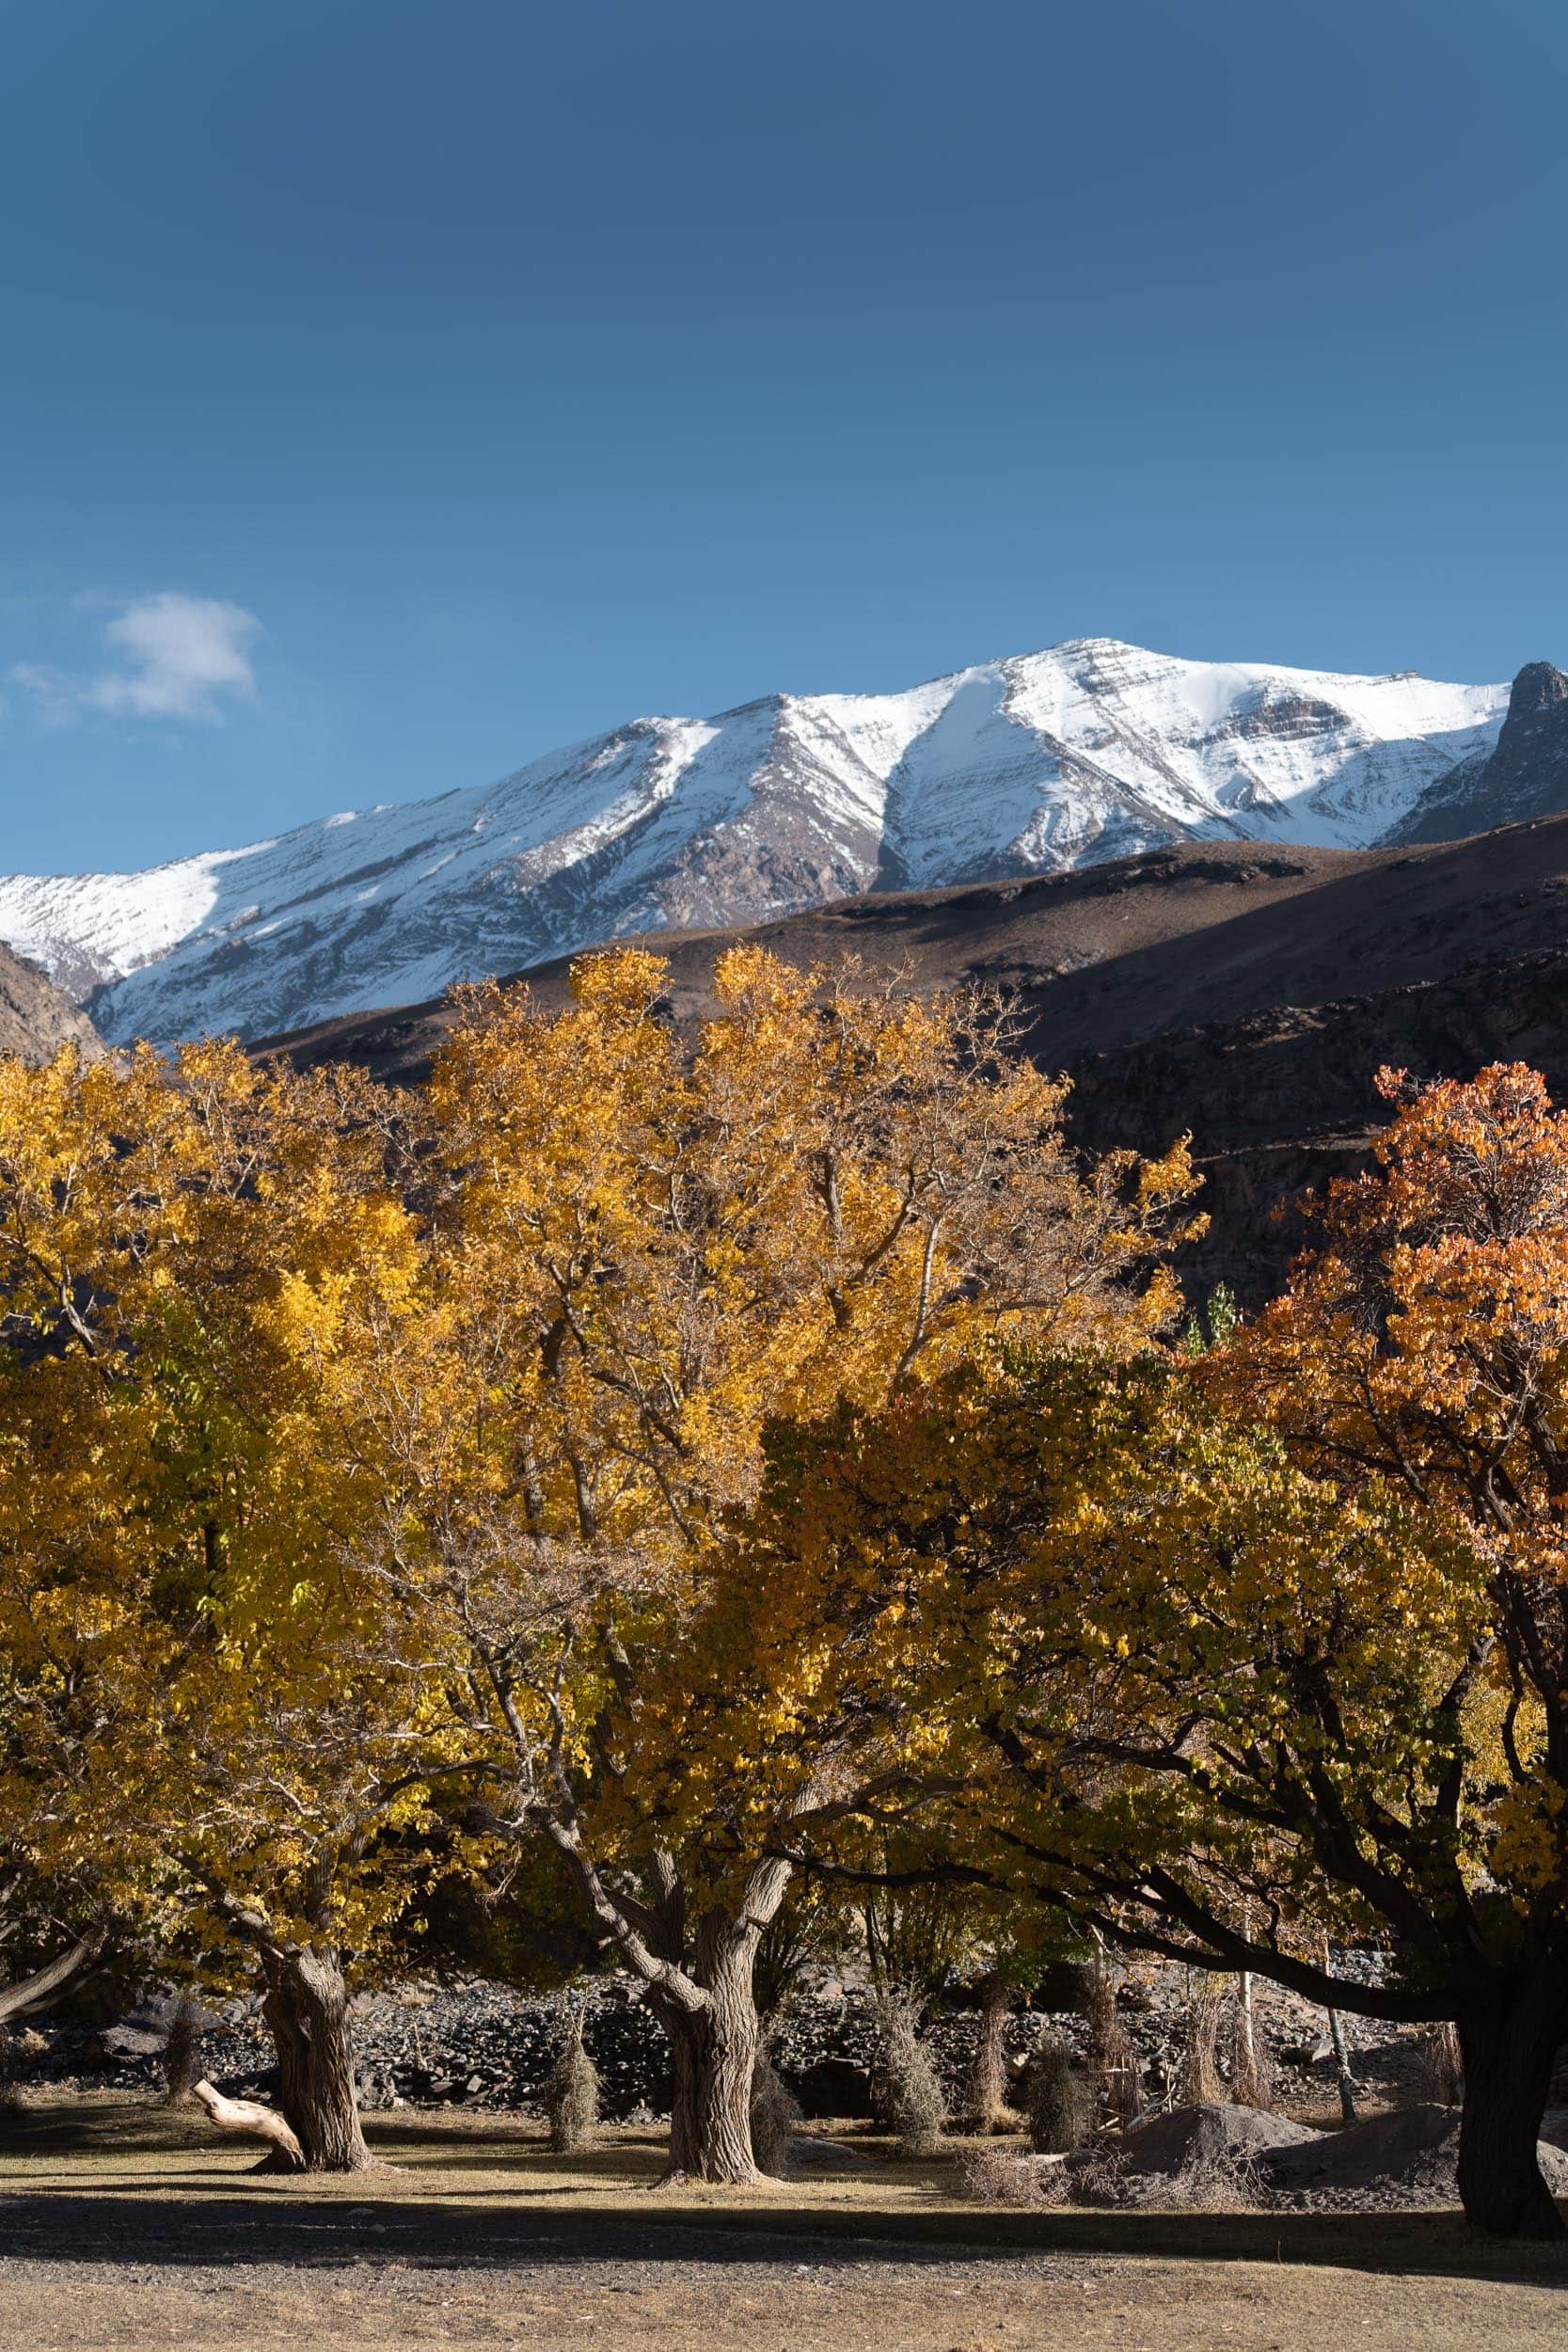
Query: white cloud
179	658
50	688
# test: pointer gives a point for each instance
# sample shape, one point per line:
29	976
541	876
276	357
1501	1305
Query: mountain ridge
1089	752
1525	776
37	1018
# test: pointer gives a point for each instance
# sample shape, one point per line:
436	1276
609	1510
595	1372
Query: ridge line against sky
192	673
398	395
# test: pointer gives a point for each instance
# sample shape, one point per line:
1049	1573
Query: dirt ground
121	2226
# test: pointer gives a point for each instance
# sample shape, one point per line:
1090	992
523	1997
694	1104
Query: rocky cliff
36	1017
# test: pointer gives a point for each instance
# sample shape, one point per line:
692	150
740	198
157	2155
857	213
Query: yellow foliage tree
194	1719
646	1251
347	1441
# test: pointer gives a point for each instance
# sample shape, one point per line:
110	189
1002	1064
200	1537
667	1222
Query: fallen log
248	2114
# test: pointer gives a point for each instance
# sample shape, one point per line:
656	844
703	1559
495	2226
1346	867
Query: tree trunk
1509	2046
14	1999
714	2047
1344	2075
307	2008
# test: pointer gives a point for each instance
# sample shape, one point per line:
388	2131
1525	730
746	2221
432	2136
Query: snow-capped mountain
1089	751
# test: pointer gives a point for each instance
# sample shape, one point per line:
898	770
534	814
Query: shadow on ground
83	2183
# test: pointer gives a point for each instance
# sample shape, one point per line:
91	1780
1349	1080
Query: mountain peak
1093	749
1522	776
1540	686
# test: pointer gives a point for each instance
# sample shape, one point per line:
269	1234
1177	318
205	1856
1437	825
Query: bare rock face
37	1018
1526	776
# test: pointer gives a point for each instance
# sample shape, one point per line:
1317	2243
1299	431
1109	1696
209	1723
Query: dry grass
128	2226
572	2092
1062	2104
1025	2183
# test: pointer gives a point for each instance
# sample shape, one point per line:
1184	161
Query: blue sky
393	391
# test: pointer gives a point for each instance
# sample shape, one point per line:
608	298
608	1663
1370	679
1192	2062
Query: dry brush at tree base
1200	2083
182	2054
1062	2104
988	2109
392	1446
776	2118
1251	2083
572	2093
917	2111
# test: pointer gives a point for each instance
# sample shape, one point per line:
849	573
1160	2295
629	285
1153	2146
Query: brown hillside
1245	994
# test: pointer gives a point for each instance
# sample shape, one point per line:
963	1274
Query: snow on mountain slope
1089	751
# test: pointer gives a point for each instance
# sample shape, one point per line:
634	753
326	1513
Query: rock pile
481	2044
470	2044
1405	2160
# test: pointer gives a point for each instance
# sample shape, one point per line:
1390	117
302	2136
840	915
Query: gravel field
121	2226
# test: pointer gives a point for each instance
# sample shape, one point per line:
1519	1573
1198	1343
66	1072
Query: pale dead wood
248	2114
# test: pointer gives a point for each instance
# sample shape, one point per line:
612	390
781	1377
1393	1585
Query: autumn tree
193	1718
1167	1679
1425	1343
651	1248
1227	1649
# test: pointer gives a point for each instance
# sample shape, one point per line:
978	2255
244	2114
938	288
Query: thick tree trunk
705	2002
1509	2047
307	2010
714	2047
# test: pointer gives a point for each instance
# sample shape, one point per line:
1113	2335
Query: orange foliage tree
1424	1345
1222	1652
